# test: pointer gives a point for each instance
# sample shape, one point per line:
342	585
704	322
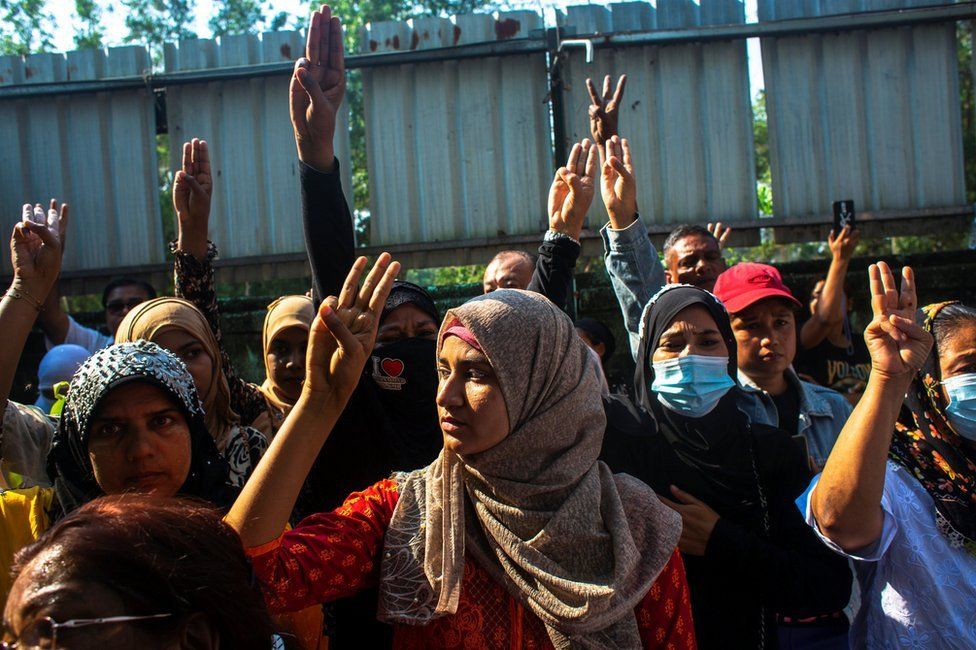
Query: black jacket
745	574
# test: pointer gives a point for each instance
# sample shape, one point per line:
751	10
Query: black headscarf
598	333
68	462
717	448
408	293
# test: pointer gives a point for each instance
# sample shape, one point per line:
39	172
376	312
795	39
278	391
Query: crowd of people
405	478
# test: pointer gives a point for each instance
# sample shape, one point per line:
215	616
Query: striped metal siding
456	149
686	111
95	151
257	201
872	115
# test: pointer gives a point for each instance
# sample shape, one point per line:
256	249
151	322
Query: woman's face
957	355
286	360
765	334
693	331
406	322
191	352
139	441
470	405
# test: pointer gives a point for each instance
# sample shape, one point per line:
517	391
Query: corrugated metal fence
461	116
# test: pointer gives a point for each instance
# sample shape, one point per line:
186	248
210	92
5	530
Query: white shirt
917	591
91	340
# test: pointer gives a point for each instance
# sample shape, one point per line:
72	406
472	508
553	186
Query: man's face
696	260
507	272
122	300
765	335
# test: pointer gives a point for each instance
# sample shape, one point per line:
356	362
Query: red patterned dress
334	554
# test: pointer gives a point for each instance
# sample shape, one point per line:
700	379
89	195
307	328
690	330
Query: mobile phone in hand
843	215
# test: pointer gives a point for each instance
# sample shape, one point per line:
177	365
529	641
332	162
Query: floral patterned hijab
925	444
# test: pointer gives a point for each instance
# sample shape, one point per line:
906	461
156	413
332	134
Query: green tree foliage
25	28
155	22
247	17
89	34
964	42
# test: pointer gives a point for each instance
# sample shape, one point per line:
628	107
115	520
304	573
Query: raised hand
572	190
36	247
344	332
192	191
897	344
719	233
842	244
617	183
317	87
604	109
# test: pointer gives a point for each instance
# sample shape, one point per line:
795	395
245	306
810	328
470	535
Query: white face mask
961	412
692	385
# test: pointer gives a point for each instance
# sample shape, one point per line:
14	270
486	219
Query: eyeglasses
118	306
43	632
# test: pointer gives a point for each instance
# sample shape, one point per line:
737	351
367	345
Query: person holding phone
831	353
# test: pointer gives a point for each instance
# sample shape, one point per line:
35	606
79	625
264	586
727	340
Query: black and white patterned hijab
69	465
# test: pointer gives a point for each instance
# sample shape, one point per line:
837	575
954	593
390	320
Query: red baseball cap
749	282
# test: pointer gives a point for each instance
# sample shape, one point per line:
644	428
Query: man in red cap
762	311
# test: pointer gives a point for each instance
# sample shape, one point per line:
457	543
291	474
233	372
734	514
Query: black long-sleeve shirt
327	221
553	273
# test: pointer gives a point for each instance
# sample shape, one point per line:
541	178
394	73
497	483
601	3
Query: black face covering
405	375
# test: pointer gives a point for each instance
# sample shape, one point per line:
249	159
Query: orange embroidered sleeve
664	616
328	555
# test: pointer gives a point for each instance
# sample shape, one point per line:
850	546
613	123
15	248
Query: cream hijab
285	312
576	544
152	317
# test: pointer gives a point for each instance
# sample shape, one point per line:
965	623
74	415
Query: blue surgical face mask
692	385
962	404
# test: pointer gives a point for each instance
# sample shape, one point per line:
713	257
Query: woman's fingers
594	96
908	299
877	291
337	329
890	288
574	156
373	280
350	288
378	300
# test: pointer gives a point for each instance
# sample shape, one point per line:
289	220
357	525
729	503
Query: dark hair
598	333
948	320
685	230
126	282
161	556
527	257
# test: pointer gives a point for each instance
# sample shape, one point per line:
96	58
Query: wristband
553	235
18	293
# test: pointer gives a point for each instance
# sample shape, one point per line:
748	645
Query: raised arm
317	88
570	197
632	263
52	319
340	341
829	312
35	251
846	503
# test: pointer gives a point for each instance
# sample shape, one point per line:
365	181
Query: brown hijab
152	317
577	545
285	312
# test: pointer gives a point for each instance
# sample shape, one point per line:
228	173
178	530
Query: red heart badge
392	367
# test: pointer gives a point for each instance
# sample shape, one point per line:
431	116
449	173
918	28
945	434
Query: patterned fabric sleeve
329	555
194	281
664	616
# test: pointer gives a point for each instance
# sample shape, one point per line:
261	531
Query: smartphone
843	215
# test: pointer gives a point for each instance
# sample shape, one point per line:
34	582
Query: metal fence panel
874	115
456	149
686	112
256	201
94	150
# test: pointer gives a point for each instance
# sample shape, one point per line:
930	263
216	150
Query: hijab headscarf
717	448
152	317
925	444
285	312
68	461
575	544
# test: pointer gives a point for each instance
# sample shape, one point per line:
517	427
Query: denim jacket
823	412
635	273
